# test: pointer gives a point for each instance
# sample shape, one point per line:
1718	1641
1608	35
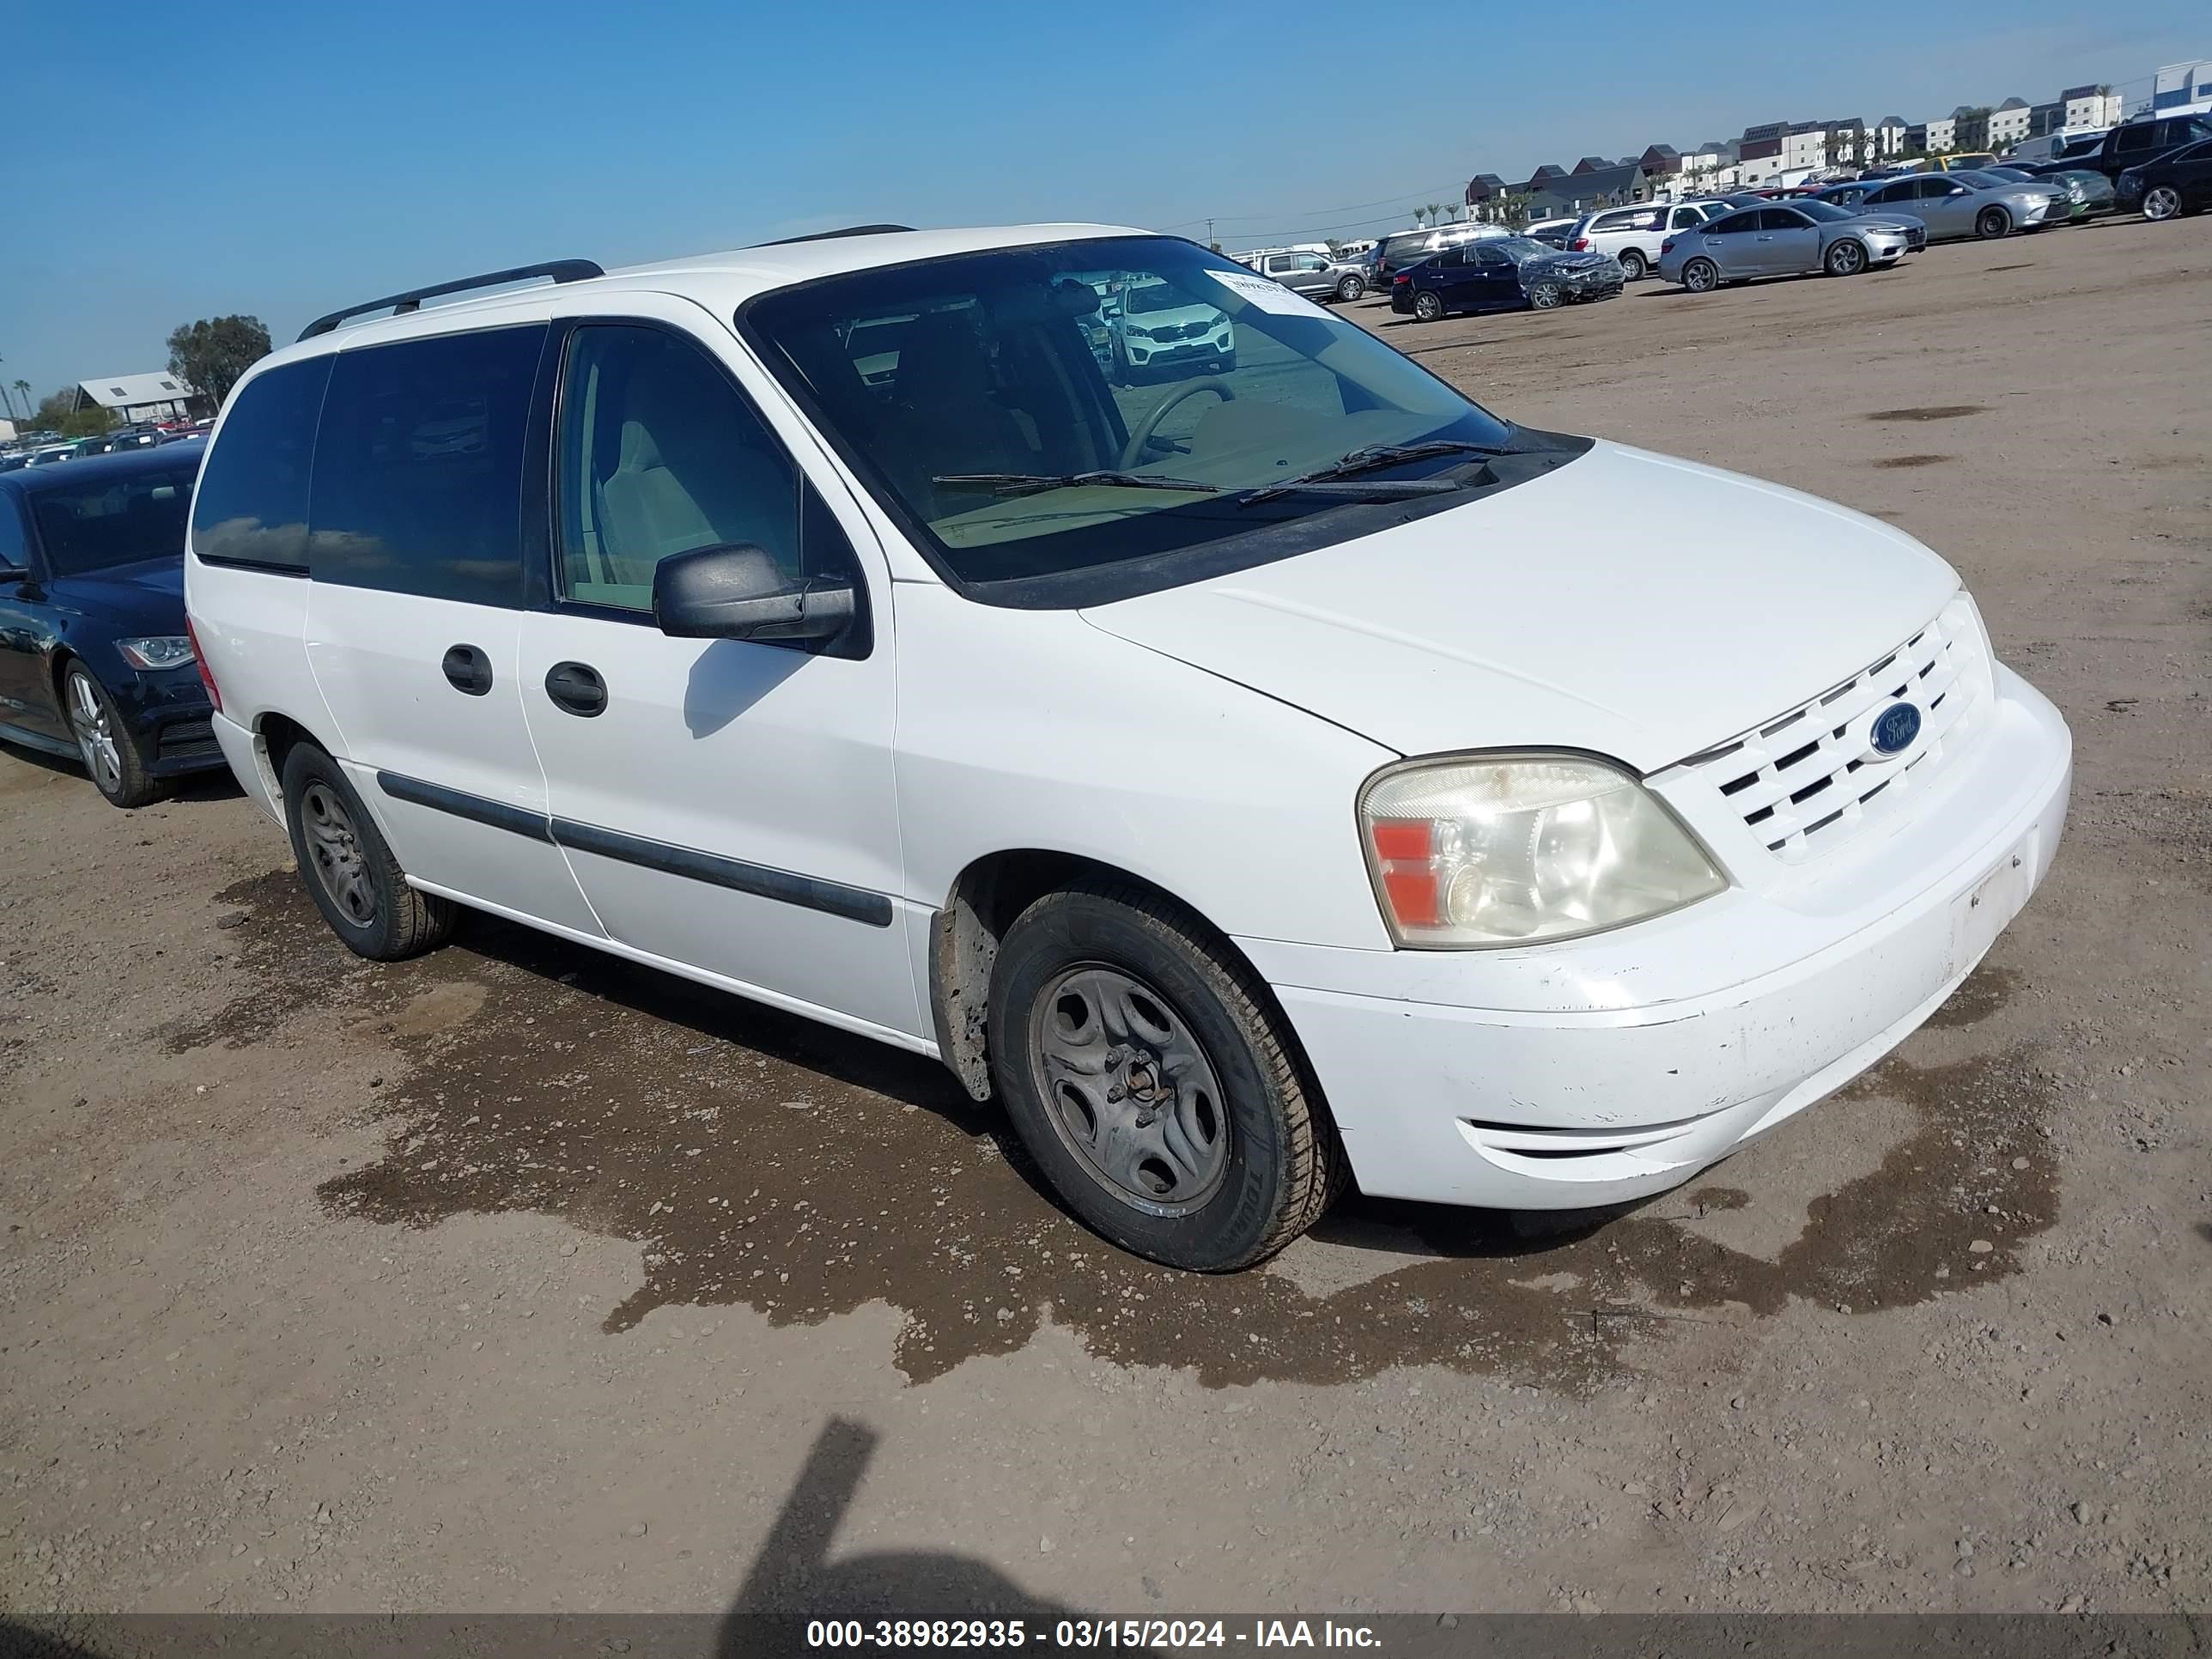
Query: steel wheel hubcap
1129	1091
335	850
94	736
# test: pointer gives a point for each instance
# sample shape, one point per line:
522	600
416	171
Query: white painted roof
127	391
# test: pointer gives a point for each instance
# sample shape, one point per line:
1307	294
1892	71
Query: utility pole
1209	232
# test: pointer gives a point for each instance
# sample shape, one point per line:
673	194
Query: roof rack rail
831	236
561	271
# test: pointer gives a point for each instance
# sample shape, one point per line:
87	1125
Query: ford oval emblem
1895	728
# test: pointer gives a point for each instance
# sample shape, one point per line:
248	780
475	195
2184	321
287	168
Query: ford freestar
1239	776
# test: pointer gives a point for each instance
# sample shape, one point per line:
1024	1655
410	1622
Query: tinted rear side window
418	466
252	507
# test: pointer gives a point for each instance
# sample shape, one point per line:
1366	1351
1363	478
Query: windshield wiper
1369	458
1032	484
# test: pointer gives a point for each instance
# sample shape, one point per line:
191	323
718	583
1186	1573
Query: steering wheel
1133	451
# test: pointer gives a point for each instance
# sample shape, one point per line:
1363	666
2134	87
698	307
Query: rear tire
1701	277
348	868
1992	224
1428	307
1633	265
1214	1173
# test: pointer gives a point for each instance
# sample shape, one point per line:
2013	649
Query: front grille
1810	779
188	740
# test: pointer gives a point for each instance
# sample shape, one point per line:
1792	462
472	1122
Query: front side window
98	525
660	453
417	483
252	507
964	392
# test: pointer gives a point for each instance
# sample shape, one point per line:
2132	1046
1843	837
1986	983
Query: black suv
2139	143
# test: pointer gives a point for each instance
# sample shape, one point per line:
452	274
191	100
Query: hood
151	591
1512	621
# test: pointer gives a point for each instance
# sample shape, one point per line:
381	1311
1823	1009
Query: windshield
114	520
1517	248
1827	212
971	395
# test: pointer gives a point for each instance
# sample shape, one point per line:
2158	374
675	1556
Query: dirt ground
520	1278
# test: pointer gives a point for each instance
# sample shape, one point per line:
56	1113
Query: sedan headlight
157	651
1519	849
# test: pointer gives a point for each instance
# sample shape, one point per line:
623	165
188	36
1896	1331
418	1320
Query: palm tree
29	410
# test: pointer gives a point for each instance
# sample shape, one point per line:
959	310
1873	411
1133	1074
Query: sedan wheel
1992	223
1428	307
1547	296
1847	257
1701	275
2161	202
118	770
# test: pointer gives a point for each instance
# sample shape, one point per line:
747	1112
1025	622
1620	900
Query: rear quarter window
418	466
252	507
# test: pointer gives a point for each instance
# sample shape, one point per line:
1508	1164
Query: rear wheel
1992	223
1350	288
1632	264
1701	277
1428	307
1547	296
2161	202
1846	258
1145	1072
349	868
110	755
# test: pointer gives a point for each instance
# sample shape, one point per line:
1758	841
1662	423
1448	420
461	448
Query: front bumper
1606	1069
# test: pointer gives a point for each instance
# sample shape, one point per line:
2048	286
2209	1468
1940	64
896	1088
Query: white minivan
1241	777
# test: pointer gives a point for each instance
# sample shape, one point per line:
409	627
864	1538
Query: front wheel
1427	307
2161	202
1633	265
349	868
1701	277
110	755
1547	296
1350	287
1149	1076
1847	257
1992	223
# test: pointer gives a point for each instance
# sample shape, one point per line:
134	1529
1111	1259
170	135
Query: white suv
1210	770
1633	235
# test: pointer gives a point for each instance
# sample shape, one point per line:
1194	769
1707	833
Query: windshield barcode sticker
1267	292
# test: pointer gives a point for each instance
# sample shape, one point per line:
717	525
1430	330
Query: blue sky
192	160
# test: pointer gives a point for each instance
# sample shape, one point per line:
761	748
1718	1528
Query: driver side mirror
737	592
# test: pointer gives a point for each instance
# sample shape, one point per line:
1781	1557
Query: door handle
468	669
577	687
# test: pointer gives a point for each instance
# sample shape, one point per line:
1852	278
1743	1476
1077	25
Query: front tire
1151	1079
2161	202
1428	307
1633	265
1846	258
349	869
103	739
1701	277
1547	296
1350	289
1992	224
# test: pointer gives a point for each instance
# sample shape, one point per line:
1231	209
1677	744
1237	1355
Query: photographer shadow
793	1578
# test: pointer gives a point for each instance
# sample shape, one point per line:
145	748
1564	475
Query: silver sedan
1951	206
1783	239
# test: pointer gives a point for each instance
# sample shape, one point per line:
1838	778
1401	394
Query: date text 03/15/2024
1087	1633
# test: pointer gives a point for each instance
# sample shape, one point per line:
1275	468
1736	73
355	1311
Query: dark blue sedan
95	660
1503	273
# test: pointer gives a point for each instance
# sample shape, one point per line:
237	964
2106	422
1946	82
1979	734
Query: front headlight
160	651
1519	849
